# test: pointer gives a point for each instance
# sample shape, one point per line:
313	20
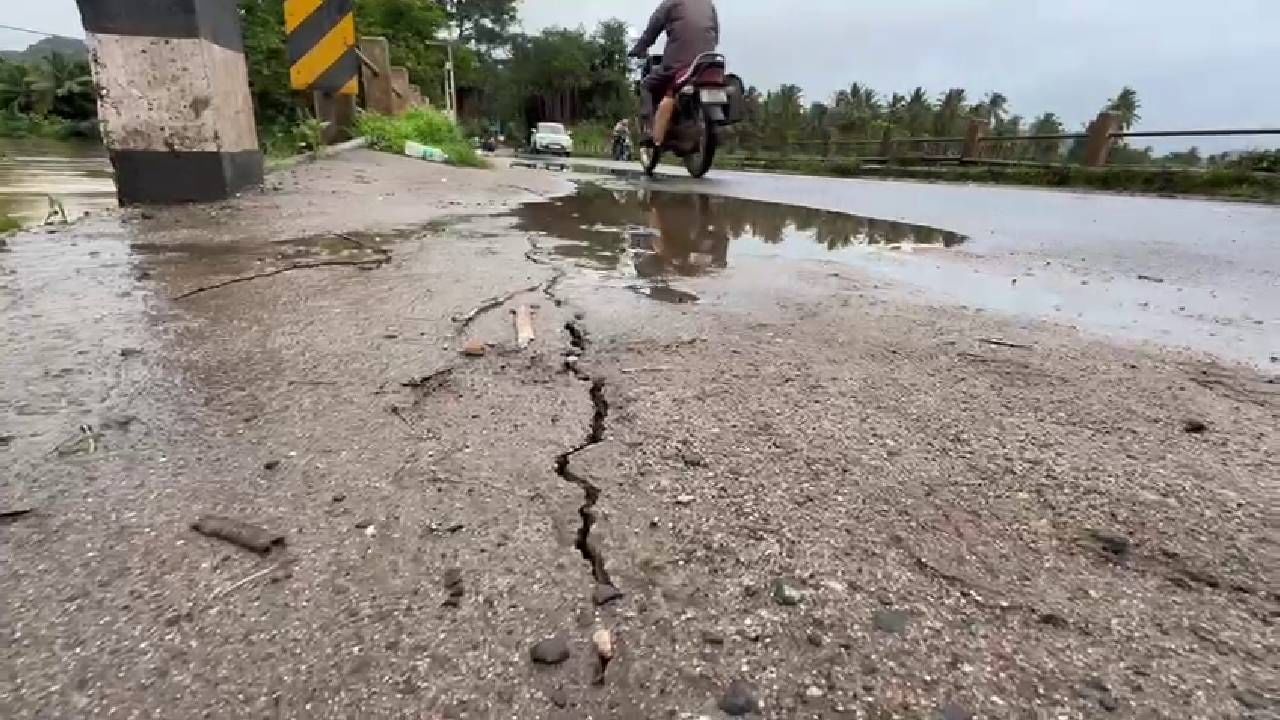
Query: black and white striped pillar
173	98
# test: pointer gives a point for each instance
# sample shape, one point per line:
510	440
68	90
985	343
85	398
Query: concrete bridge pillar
173	98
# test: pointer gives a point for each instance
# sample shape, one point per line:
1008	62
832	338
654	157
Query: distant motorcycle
621	148
707	100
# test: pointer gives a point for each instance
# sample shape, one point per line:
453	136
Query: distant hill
70	47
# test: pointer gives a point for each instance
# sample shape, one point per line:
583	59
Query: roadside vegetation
508	80
8	223
47	96
420	125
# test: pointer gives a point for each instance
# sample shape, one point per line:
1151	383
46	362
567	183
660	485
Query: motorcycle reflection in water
683	239
657	237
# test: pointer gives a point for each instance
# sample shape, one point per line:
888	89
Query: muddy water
32	170
658	237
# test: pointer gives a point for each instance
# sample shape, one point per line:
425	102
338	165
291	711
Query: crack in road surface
591	494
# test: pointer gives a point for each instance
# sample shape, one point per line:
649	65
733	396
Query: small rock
739	699
364	524
951	711
560	698
786	594
891	621
271	465
603	640
451	578
712	637
1112	543
685	499
605	594
814	693
339	497
474	348
1052	619
816	639
5	440
551	651
129	352
1194	427
694	460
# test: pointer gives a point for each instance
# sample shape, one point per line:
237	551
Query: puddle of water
32	170
658	235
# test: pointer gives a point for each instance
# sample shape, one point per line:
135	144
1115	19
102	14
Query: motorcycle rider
692	28
621	139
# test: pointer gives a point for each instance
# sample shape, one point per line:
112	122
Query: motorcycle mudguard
737	99
715	113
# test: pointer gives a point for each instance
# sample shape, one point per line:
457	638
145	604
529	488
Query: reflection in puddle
659	235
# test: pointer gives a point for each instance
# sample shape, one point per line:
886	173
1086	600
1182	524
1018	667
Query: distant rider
692	28
621	137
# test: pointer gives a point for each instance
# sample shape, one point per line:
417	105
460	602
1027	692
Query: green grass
17	125
8	224
421	125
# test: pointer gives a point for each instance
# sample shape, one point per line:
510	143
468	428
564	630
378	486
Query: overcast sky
1195	63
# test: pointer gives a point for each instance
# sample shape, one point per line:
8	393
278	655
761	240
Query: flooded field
33	171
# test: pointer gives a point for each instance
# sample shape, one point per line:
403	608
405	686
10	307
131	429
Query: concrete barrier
173	98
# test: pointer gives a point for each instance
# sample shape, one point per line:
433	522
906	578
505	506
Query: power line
36	32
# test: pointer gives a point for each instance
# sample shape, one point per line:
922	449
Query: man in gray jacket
692	28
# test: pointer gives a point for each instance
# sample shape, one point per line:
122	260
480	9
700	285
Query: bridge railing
977	146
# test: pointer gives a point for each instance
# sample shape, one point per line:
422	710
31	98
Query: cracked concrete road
803	483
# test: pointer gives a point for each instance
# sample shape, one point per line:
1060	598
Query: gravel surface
800	498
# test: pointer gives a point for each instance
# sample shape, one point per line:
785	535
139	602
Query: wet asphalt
803	490
1199	274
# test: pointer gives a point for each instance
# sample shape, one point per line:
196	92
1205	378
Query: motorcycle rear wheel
699	164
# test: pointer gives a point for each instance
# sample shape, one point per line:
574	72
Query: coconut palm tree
918	112
1126	105
950	111
1048	124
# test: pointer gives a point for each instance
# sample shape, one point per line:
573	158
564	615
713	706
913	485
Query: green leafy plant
420	125
8	223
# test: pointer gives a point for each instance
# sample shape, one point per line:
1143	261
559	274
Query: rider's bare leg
662	120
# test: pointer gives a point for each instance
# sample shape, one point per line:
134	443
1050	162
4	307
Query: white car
551	139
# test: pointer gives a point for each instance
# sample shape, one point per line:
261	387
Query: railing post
1098	144
338	112
886	144
376	80
973	139
399	90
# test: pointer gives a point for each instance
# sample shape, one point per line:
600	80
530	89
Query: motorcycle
621	148
707	101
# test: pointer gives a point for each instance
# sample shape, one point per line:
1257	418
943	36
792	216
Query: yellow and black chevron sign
321	42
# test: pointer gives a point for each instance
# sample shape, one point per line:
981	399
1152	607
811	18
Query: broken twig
464	321
232	587
9	516
655	368
1003	343
280	271
524	326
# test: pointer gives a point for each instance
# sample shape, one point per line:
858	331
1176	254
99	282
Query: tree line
47	94
509	80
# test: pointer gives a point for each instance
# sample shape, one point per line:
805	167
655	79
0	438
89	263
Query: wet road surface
1185	273
797	489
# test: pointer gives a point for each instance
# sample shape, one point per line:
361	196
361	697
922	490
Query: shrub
421	125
